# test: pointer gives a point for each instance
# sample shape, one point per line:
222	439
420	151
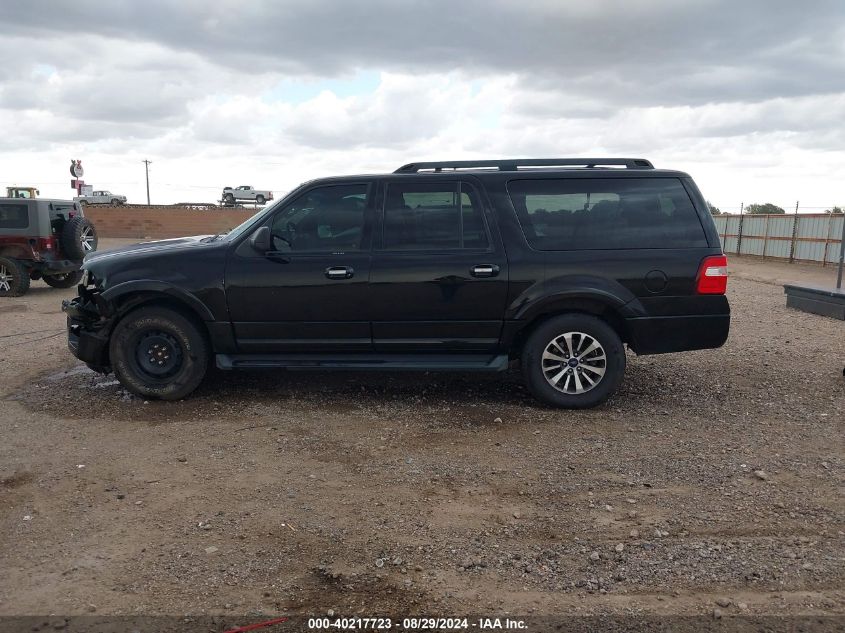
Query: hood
174	261
156	246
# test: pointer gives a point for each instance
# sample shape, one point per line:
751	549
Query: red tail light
47	244
712	276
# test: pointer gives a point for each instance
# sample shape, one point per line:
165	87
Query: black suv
463	266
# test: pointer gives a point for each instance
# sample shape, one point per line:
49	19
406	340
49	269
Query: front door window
323	220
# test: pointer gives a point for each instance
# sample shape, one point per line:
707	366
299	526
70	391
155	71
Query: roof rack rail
515	164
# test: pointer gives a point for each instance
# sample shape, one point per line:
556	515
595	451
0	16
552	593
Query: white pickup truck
245	192
101	197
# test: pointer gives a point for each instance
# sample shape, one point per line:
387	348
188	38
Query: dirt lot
365	493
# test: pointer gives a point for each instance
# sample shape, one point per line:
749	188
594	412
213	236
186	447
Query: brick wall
162	222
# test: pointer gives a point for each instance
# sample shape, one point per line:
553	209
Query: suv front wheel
573	361
156	352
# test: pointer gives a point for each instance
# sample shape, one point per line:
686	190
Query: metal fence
799	237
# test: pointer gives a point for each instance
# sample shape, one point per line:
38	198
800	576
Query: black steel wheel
158	352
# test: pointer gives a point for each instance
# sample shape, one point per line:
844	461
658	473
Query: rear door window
14	216
441	216
63	211
606	213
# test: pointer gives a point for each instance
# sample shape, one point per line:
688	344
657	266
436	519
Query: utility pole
147	171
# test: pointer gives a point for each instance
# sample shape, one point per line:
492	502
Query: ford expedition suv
459	266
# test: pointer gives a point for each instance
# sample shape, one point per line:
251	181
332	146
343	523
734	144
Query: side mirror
260	240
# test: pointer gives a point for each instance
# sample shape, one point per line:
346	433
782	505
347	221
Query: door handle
339	272
484	270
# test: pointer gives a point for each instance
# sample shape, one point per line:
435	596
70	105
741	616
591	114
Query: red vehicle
42	239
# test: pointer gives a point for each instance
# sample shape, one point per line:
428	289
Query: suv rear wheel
65	280
574	361
14	279
156	352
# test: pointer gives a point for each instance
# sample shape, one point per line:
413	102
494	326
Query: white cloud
748	99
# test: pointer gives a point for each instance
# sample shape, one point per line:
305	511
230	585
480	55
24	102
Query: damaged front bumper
88	328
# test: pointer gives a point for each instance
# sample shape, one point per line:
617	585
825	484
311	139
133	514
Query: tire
582	331
260	199
14	278
157	352
115	202
79	237
65	280
229	198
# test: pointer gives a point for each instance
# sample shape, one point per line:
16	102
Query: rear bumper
660	335
56	267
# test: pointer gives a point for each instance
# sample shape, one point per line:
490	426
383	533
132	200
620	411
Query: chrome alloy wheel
5	279
87	240
574	363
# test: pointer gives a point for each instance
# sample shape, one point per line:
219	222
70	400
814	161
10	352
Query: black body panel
290	305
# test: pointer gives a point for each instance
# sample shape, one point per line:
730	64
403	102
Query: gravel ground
711	484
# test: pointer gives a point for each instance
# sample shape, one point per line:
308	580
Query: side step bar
369	362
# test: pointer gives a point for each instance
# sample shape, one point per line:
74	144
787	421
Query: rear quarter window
606	213
14	216
62	211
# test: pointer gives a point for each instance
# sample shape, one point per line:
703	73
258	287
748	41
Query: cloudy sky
748	96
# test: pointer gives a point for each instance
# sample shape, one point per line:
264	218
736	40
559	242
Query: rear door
439	273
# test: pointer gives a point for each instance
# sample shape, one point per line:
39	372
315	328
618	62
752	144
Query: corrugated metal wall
806	237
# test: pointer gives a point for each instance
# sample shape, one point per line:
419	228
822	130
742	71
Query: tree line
765	208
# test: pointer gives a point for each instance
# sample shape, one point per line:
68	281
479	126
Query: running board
368	362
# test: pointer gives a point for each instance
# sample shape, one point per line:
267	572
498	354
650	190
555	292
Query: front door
308	293
439	276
